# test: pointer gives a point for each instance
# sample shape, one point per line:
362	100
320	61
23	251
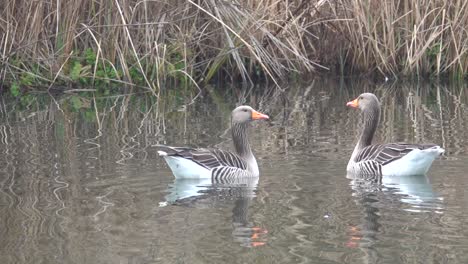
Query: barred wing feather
208	158
386	153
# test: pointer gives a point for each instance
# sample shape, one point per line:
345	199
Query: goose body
393	159
202	163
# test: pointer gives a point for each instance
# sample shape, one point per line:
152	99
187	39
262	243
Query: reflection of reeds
303	120
61	165
410	113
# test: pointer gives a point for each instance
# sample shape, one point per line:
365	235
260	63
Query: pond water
81	183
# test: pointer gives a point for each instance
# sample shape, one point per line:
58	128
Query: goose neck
370	120
240	139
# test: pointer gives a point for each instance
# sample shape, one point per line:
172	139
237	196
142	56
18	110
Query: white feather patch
417	162
186	169
162	153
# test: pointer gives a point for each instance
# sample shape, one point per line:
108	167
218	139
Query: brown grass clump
152	43
410	38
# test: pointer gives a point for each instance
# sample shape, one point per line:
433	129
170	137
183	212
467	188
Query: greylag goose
215	163
386	159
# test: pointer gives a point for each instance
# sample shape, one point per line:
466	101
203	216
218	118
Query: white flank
186	169
417	162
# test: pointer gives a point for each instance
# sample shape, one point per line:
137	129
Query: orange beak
353	104
258	116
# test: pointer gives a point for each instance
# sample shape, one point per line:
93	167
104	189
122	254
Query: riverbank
152	45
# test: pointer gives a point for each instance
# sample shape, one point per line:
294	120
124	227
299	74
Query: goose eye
245	110
360	97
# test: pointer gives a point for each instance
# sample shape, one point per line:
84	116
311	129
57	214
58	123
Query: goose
392	159
217	164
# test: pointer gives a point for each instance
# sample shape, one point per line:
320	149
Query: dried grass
403	37
198	41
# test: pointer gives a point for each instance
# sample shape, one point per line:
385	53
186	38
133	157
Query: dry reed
153	43
409	38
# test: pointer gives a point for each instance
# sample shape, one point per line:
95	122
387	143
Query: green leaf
90	115
75	71
179	65
15	89
75	102
90	56
26	78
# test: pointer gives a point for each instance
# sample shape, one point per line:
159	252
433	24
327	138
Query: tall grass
403	37
151	43
157	41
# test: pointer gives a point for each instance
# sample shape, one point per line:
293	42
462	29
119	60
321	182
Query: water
82	184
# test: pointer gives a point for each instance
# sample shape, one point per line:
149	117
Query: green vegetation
155	44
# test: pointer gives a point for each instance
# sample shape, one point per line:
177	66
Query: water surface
81	183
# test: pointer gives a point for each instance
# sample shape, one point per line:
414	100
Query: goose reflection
376	194
414	190
206	192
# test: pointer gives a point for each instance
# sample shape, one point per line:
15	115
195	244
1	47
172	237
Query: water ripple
85	185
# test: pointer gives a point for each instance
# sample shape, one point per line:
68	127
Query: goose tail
162	153
435	150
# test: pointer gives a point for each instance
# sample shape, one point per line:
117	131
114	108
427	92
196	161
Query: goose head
365	101
244	114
